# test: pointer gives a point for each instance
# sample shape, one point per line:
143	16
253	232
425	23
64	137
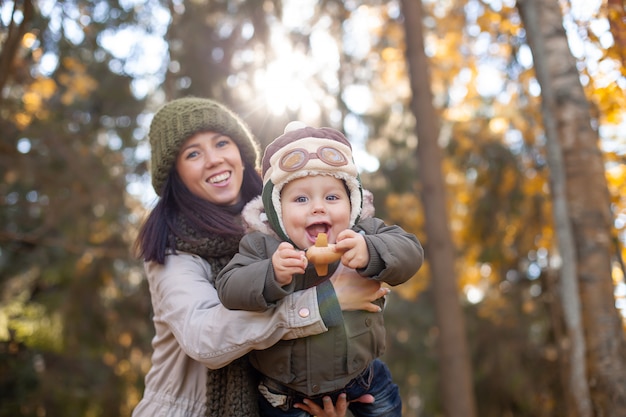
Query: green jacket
325	362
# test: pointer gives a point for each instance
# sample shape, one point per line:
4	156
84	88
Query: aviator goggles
297	158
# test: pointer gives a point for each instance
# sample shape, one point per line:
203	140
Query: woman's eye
223	142
191	154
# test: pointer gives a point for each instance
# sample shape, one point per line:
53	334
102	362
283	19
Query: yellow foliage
616	179
22	120
34	99
79	84
499	125
28	40
534	184
122	367
415	286
405	210
471	276
125	339
611	102
44	87
617	272
508	180
100	232
84	262
32	102
490	19
32	324
392	54
493	308
109	359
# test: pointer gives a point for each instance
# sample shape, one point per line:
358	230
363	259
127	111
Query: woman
203	168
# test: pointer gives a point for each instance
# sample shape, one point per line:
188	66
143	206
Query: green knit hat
180	119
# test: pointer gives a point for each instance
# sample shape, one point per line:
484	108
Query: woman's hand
330	410
355	292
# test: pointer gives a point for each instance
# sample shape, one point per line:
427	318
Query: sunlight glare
584	9
295	12
358	98
299	81
474	294
283	84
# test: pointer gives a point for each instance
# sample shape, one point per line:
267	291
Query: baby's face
312	205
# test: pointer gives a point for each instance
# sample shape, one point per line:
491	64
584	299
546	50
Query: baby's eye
300	199
332	197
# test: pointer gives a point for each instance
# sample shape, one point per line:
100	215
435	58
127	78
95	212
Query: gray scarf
231	390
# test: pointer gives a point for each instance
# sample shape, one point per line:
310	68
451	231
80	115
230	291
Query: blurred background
494	130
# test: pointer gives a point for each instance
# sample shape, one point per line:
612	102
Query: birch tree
568	124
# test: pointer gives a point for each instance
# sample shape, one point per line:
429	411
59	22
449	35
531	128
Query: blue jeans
375	380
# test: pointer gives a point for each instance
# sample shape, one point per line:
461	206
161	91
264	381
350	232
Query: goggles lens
297	158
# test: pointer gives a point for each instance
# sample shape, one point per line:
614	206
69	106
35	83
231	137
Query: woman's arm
186	302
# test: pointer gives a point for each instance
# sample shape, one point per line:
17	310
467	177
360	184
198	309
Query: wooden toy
322	254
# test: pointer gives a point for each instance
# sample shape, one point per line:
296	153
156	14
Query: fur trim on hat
255	219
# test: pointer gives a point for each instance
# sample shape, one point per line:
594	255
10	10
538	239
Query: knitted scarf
230	391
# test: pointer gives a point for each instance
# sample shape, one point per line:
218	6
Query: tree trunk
573	347
568	120
454	362
11	43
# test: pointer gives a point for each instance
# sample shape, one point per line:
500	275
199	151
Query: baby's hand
354	247
287	261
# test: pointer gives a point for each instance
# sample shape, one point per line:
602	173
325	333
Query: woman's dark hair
158	234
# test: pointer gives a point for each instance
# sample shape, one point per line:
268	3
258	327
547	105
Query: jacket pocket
275	362
365	334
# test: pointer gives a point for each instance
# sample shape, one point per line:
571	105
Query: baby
312	187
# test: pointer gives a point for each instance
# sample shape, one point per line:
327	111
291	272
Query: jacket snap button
315	388
368	322
304	312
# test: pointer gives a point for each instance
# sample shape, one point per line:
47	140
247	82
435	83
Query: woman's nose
213	158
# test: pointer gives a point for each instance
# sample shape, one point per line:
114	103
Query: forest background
492	129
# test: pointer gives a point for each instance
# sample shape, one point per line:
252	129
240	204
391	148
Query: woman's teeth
219	178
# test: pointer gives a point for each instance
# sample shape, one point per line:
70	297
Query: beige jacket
194	331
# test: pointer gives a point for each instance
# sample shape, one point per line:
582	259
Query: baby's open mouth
317	228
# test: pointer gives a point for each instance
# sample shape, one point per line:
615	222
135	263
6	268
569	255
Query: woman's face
210	165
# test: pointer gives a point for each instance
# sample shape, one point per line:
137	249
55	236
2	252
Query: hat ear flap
270	211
